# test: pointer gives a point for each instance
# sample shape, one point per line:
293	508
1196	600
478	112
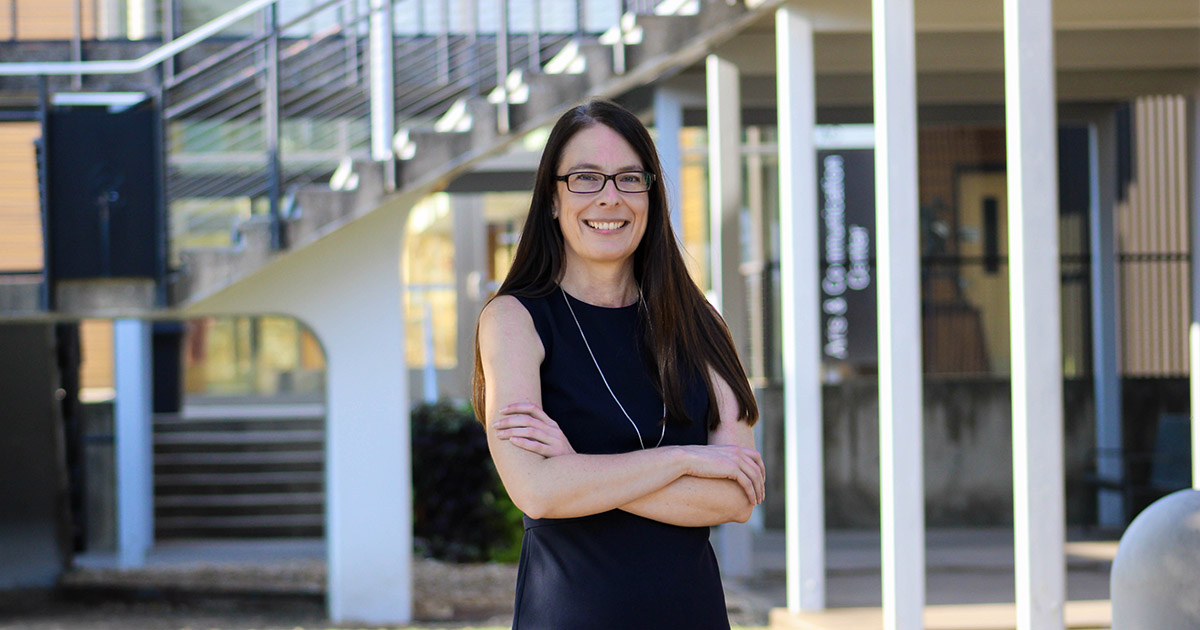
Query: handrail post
535	36
12	16
443	48
502	122
271	116
383	97
77	41
168	36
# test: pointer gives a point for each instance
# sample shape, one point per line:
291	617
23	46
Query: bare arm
569	485
698	502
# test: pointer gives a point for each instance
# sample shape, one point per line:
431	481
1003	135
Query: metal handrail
255	85
146	61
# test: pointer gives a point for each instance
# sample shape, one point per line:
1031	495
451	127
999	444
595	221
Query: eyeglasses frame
566	179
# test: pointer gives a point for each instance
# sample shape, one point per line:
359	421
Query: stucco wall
967	453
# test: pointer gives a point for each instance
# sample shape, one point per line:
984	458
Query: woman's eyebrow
588	166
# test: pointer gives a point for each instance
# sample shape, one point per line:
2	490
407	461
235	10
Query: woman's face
605	226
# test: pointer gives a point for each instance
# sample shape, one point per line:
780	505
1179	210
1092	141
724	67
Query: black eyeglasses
591	182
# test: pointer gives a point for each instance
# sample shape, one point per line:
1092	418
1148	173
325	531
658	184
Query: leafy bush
461	512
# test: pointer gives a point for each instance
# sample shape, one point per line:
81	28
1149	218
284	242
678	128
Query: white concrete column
1035	314
383	107
668	124
725	212
133	380
798	252
1106	345
1194	329
902	493
368	466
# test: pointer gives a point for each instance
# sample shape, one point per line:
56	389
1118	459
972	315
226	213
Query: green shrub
461	512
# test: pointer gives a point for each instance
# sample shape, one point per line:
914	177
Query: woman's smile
606	227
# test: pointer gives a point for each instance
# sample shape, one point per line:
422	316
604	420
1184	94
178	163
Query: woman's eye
631	178
587	177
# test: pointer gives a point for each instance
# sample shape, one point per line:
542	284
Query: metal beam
803	438
1035	313
902	493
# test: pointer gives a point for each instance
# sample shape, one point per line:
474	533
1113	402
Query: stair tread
250	457
238	437
216	478
273	520
251	498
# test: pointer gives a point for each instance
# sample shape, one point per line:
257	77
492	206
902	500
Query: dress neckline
596	306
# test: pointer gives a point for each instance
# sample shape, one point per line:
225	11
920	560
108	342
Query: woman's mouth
606	226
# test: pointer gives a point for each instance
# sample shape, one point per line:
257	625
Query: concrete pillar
725	212
346	287
668	124
902	492
1031	126
133	380
799	273
1105	325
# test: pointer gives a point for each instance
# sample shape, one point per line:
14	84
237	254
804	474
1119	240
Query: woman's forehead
599	147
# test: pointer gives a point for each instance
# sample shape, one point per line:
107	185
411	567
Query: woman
617	411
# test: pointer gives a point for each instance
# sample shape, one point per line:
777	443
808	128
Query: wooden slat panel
96	339
53	19
20	215
1154	222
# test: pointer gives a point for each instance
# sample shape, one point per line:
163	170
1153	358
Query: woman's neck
601	287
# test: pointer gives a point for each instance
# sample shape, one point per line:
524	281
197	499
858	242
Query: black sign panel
846	200
102	175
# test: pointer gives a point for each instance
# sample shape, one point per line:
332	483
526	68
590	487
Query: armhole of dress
539	312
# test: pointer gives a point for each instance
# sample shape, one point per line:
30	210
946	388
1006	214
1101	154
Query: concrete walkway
969	581
969	578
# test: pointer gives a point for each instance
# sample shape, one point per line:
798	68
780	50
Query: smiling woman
617	412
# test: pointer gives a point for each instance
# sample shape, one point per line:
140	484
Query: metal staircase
263	132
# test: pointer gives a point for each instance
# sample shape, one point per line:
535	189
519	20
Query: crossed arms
691	486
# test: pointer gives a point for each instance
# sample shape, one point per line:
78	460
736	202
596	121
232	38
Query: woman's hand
743	465
525	425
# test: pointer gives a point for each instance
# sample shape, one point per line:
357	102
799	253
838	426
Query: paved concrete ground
284	580
964	567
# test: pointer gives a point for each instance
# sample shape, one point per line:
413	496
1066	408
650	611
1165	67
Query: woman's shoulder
510	314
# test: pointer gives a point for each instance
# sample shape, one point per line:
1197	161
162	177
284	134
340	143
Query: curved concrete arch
347	289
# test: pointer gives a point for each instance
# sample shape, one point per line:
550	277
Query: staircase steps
240	471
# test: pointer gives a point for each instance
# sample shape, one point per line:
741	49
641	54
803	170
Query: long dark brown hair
682	331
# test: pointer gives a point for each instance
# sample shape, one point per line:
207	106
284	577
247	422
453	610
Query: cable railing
272	95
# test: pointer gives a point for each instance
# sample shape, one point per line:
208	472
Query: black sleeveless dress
613	570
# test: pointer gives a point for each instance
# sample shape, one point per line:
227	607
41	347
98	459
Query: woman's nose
609	193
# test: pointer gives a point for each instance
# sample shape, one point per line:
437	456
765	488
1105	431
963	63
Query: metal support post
502	121
1034	303
133	409
902	493
803	436
1193	138
271	122
1105	325
668	124
76	41
383	106
725	210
